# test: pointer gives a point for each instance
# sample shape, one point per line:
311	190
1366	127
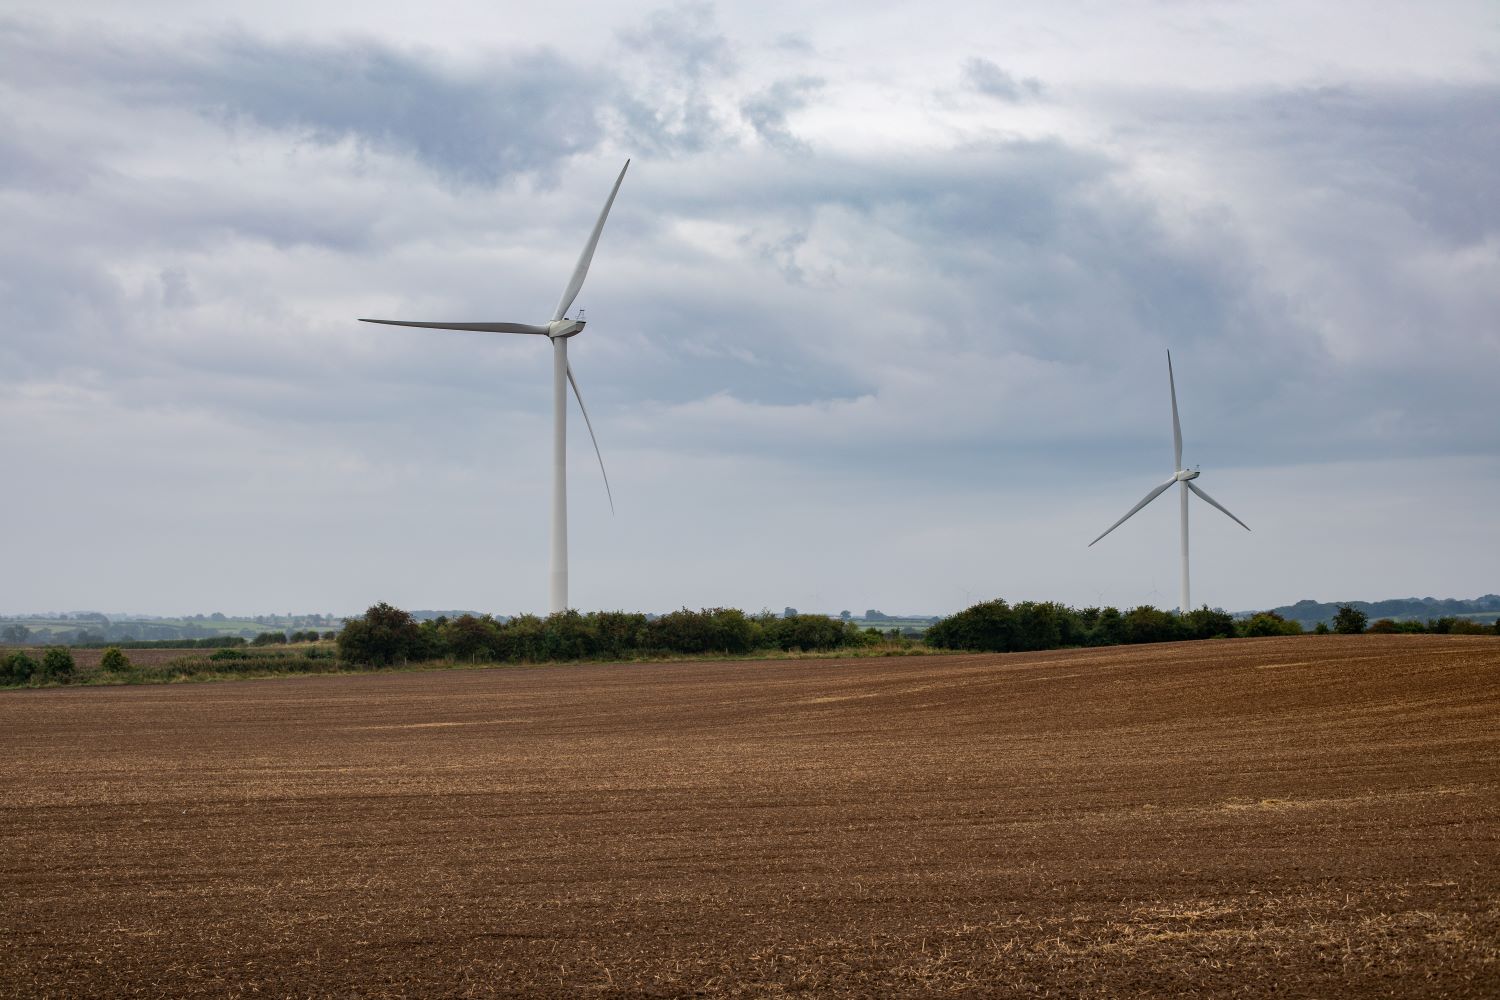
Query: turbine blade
597	454
472	327
1149	497
1216	503
1176	425
581	271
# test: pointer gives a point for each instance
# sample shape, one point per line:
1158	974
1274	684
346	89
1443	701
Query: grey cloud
987	78
517	112
767	112
677	55
1435	151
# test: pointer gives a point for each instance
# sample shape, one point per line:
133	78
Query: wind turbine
558	330
1185	478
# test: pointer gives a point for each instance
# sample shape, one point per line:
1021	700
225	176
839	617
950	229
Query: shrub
57	665
1269	623
1148	624
269	639
567	635
988	626
113	661
1321	629
1205	623
1465	627
470	638
17	668
384	635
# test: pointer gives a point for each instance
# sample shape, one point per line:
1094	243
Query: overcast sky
879	320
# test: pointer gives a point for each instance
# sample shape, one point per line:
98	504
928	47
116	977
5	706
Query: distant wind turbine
559	329
1184	477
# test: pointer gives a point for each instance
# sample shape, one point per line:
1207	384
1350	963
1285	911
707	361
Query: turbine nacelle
565	328
1183	475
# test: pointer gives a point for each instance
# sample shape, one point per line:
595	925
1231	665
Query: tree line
385	635
995	626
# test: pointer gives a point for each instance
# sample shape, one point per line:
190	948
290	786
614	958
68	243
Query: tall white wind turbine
1184	477
558	330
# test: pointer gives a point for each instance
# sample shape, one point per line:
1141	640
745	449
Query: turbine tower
558	330
1183	477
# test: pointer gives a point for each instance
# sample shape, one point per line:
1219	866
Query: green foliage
269	639
57	665
1349	621
113	661
1264	623
17	668
383	636
1465	627
987	626
1148	624
16	633
1108	628
727	631
1205	623
1321	629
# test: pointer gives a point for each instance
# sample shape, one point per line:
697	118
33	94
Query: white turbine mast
558	330
1184	477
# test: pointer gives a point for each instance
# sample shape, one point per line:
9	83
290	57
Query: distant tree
1349	620
330	634
1150	624
1383	626
16	633
844	616
57	665
988	626
269	639
620	633
1464	626
789	612
17	668
471	638
1321	629
382	636
1108	628
568	635
113	661
1035	625
1206	623
1268	623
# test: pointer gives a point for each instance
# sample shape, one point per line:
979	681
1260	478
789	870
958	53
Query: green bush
57	665
1268	623
382	636
17	668
113	661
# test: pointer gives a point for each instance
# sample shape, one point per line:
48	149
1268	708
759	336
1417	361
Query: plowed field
1305	817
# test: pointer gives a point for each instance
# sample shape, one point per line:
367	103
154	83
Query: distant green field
886	624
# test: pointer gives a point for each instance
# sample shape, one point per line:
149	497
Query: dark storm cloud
987	78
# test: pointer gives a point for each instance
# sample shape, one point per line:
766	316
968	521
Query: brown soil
1305	817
